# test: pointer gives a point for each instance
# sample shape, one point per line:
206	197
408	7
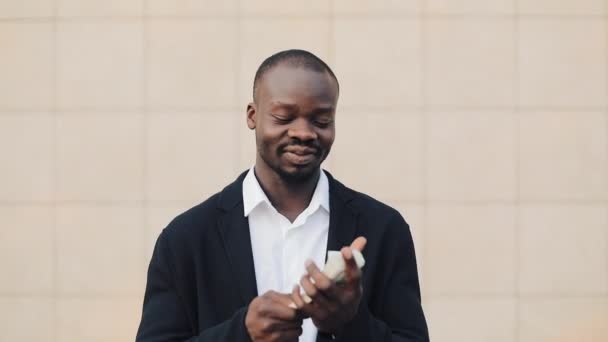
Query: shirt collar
253	195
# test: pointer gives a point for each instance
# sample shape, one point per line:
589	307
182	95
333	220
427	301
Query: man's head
295	95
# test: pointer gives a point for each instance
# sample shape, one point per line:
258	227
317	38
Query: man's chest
280	248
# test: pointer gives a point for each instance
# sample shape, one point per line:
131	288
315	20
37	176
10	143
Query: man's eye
322	124
280	119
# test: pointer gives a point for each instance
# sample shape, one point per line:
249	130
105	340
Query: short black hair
295	58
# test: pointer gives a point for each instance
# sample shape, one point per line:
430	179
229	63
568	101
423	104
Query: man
236	267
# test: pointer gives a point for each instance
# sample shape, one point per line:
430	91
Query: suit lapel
234	230
342	217
342	221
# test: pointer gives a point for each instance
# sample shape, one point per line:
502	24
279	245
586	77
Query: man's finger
275	324
299	302
282	312
287	335
296	297
279	307
320	280
318	297
351	271
284	299
359	243
308	286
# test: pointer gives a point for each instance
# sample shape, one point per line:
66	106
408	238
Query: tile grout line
606	142
70	295
54	174
110	203
349	16
437	295
331	46
359	110
605	48
509	295
422	45
517	235
237	77
144	137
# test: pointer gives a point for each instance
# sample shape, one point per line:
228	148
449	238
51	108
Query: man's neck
288	198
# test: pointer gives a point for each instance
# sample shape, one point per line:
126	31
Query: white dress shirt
280	248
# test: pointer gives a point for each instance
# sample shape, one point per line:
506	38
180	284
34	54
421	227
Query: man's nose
302	130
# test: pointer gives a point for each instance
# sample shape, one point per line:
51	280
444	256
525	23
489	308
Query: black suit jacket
201	278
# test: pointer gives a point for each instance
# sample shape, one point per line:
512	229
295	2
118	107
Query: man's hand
333	304
271	317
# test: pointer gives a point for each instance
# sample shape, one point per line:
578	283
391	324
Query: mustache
299	144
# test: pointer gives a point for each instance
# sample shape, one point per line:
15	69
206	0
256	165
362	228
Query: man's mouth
300	155
300	150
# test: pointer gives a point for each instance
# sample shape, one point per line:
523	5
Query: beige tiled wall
485	122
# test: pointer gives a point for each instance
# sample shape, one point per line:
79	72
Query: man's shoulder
363	203
203	216
195	219
367	203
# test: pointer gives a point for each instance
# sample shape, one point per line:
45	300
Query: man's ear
251	117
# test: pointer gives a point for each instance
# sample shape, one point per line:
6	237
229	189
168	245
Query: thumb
359	243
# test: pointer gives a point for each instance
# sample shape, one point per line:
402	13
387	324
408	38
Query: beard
298	177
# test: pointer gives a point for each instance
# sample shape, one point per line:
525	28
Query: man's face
293	117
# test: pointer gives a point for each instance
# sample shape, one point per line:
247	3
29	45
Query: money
335	267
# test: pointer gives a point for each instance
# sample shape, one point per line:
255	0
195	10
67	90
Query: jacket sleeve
165	317
400	318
